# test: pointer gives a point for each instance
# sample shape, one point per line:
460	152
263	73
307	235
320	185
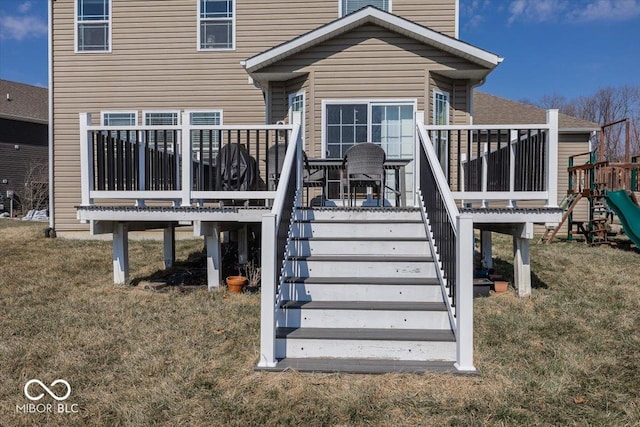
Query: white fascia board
378	17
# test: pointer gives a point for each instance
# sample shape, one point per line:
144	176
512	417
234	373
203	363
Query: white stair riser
377	319
362	215
364	349
348	292
360	269
345	229
371	247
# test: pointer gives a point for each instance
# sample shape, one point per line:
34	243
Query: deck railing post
299	162
86	160
464	295
552	159
142	161
513	144
268	291
187	164
485	172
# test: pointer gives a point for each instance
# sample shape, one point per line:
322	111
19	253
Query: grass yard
569	355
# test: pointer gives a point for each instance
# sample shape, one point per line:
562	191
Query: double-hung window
93	25
441	117
204	142
350	6
216	24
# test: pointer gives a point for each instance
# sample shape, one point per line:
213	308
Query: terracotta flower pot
236	284
500	286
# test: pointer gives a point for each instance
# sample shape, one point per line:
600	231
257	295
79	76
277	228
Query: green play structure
628	213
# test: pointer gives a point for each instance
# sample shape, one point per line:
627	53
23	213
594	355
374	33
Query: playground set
609	188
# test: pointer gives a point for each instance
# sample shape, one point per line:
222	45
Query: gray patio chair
313	178
275	160
365	168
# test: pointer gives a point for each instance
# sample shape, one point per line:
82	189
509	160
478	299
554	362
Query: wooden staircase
359	293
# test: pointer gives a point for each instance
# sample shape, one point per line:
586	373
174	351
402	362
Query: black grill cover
236	169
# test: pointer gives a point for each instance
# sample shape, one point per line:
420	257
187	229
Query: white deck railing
147	163
451	240
508	163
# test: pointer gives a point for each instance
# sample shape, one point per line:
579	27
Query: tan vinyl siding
155	65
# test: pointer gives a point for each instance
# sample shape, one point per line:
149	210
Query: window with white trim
161	118
441	117
350	6
297	112
216	24
118	119
93	25
204	142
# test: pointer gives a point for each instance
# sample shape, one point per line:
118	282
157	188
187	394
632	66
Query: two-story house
150	98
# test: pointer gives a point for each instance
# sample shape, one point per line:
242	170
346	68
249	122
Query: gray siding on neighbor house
154	64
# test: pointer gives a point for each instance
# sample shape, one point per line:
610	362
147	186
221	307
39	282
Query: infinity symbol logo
47	389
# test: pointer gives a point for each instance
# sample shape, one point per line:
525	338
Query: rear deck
465	177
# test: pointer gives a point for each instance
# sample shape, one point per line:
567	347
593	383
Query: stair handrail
275	229
451	238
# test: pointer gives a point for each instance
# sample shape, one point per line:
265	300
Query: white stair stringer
360	293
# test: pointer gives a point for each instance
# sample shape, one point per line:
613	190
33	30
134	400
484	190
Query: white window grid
207	17
346	7
84	21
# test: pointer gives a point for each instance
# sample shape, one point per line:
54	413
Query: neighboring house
23	139
159	109
575	136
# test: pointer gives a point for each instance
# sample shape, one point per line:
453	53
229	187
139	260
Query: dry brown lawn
569	355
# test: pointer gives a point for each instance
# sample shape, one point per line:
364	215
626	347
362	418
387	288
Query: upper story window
350	6
216	24
93	25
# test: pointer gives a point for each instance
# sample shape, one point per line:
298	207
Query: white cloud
25	7
22	27
573	11
536	10
607	10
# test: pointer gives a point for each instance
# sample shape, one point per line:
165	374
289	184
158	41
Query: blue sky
566	47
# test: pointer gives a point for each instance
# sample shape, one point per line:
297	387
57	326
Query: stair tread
367	334
362	258
365	305
364	280
359	221
363	239
361	366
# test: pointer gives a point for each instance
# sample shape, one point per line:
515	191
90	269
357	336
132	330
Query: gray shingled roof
490	109
27	103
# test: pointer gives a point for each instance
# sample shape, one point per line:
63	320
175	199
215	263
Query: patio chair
275	160
313	178
365	168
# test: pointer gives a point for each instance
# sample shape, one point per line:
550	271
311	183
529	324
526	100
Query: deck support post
522	260
169	246
486	248
120	253
268	292
464	294
243	246
214	257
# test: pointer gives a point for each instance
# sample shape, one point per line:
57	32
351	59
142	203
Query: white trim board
383	19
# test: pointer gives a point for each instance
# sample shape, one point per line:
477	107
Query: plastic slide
628	213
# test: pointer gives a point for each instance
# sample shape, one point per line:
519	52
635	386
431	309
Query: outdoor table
395	165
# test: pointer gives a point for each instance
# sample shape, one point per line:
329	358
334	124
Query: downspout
50	112
265	93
